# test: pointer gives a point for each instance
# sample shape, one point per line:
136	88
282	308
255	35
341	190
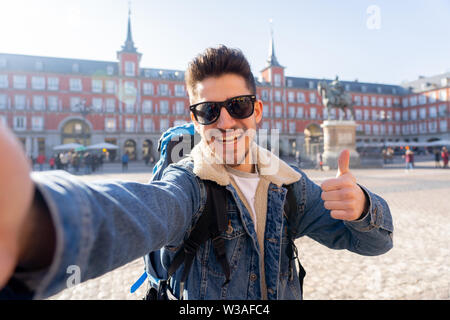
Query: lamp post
384	118
84	111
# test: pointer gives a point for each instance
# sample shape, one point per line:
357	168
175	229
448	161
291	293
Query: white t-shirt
247	183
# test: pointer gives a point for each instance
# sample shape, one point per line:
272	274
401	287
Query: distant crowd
75	162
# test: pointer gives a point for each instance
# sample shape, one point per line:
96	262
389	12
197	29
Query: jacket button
253	277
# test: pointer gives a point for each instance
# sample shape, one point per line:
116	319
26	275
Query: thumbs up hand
342	195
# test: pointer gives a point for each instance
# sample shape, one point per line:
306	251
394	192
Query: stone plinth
339	135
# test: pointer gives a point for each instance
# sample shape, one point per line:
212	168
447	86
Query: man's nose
225	121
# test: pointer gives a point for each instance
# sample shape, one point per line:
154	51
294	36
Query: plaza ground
418	267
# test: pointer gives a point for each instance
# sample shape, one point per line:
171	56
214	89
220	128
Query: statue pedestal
339	135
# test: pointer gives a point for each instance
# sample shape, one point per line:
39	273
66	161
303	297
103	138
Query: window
358	114
129	125
97	104
163	125
365	101
3	101
373	101
129	88
376	129
3	120
20	123
179	106
147	106
442	94
129	106
179	90
381	102
312	97
433	112
357	100
264	95
278	111
20	82
397	116
300	97
53	84
110	105
389	102
129	68
291	112
432	97
149	125
405	102
75	67
442	110
432	126
75	104
277	96
423	113
110	86
422	99
390	129
423	127
52	103
75	85
367	129
299	112
413	114
147	88
3	62
413	101
405	115
311	84
38	103
39	65
292	127
443	125
265	111
164	107
163	89
109	70
374	115
37	123
291	96
38	83
3	81
277	80
110	124
313	113
19	102
97	85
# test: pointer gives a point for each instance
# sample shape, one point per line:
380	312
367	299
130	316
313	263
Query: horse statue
334	96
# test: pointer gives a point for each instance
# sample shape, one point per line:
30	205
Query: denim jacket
101	226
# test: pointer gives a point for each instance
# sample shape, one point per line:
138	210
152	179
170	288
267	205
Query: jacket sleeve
371	235
104	225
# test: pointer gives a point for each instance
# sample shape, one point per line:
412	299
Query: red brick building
50	101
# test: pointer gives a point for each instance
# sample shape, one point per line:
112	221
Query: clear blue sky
319	38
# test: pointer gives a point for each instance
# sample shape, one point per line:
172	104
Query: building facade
51	101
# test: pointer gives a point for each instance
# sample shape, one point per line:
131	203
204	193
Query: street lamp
84	111
384	118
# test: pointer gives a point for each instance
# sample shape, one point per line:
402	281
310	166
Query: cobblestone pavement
418	267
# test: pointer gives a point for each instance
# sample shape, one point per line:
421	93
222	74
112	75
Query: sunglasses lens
241	107
207	113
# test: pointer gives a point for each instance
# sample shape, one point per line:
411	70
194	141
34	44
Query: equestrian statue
334	96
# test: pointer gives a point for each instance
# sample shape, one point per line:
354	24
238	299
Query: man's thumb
343	162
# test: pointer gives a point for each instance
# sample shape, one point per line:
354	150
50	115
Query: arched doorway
313	139
147	151
130	148
76	131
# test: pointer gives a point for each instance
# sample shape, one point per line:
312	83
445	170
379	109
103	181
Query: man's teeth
231	138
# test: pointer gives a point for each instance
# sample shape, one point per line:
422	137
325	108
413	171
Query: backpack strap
210	225
293	217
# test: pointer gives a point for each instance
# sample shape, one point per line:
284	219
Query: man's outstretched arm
92	228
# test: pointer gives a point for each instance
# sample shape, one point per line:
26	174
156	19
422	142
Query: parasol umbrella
67	146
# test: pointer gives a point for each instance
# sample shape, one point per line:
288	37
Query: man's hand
16	195
342	195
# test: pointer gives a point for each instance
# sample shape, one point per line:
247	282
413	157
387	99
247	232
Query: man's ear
258	111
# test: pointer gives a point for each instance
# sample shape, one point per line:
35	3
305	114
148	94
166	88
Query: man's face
228	137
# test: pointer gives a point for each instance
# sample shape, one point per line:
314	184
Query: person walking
444	155
409	159
437	158
41	161
125	160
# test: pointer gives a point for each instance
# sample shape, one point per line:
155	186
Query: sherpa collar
272	168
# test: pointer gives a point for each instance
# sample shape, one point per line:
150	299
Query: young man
51	221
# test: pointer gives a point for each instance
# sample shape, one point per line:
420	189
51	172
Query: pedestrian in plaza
51	162
100	226
437	158
409	159
40	161
444	155
319	161
125	160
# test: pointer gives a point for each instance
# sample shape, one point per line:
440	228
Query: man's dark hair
215	62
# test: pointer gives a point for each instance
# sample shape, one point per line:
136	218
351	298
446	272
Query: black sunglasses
239	107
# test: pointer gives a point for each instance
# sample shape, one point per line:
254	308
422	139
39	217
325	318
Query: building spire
272	60
129	44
